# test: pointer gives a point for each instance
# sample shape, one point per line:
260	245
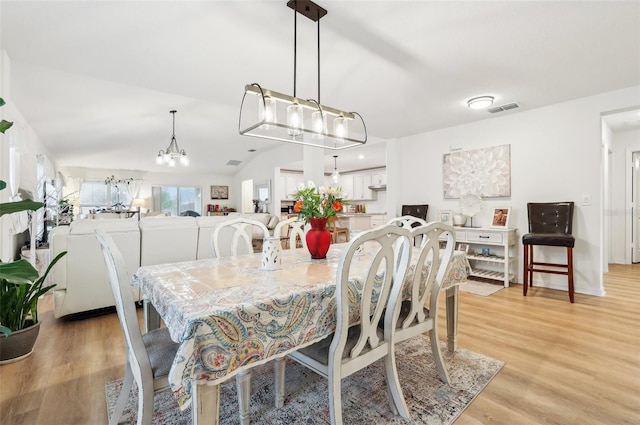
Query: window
176	199
95	195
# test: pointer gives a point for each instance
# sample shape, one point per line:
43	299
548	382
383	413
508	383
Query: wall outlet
586	199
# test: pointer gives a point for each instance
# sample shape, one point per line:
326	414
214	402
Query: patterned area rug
364	398
480	288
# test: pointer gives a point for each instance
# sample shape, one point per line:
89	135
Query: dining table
229	315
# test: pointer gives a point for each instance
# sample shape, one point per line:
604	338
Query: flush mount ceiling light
169	156
335	176
271	115
481	102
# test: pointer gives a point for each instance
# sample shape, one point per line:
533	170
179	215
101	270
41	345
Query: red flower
337	206
298	206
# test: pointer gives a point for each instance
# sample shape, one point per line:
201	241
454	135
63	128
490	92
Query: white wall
266	165
555	156
29	146
621	143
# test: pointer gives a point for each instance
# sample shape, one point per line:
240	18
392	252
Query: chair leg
243	386
525	270
437	356
145	401
397	403
127	383
570	271
335	397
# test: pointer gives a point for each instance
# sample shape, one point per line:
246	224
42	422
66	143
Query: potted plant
20	288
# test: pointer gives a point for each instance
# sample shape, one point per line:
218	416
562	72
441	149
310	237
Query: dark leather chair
419	211
550	224
189	213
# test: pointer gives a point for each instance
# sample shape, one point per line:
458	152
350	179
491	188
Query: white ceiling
97	79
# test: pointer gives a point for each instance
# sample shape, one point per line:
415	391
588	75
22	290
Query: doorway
635	207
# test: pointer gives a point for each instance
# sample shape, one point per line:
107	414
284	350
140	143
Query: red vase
318	238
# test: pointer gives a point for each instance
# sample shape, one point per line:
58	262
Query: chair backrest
241	230
428	268
370	282
550	217
294	228
125	307
419	211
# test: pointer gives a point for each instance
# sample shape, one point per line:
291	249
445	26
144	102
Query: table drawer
483	236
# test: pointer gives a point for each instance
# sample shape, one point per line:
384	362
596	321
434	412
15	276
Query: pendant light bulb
319	124
294	119
267	111
340	128
335	176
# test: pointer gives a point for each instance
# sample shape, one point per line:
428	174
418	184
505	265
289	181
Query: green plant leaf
2	101
24	205
5	125
2	185
18	272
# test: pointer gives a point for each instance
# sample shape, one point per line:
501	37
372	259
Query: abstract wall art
485	172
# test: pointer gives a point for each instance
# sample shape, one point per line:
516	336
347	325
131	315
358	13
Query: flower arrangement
314	202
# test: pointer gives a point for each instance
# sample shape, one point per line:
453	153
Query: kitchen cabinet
379	178
346	182
361	191
492	253
378	220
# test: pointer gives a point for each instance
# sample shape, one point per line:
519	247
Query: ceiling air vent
233	162
502	108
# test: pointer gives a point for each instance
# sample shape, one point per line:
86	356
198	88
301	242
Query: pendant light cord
295	46
318	60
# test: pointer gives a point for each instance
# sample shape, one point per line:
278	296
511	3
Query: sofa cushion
81	276
167	240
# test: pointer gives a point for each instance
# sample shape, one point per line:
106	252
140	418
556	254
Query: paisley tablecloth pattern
228	313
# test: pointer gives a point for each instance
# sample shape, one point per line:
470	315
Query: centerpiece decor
315	206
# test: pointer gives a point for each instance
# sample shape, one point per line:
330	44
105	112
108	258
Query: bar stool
336	231
550	224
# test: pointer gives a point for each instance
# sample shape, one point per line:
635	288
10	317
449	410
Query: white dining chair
237	234
407	221
235	237
413	317
149	355
351	348
294	232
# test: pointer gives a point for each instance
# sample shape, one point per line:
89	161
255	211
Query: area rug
364	399
480	288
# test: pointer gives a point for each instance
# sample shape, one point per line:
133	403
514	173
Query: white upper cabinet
347	186
361	183
379	178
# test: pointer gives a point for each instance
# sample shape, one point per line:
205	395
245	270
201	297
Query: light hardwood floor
565	363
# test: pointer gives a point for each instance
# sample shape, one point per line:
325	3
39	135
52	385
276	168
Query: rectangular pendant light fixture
276	116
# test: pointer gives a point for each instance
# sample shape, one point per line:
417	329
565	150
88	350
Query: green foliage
20	288
313	202
20	285
4	125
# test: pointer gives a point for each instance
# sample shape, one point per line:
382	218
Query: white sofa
81	276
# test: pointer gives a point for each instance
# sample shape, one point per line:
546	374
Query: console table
492	252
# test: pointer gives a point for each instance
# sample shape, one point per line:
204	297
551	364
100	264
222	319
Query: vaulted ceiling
97	79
